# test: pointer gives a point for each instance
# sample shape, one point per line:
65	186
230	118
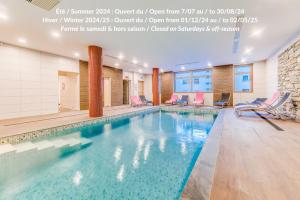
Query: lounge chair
257	101
199	100
224	100
135	101
144	100
184	101
273	109
266	103
173	100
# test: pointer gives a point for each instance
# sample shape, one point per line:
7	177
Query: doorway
126	89
68	98
141	87
107	92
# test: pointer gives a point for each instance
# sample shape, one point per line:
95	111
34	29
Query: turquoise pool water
144	157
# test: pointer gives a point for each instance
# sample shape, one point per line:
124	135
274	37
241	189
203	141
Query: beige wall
148	86
69	91
259	85
29	81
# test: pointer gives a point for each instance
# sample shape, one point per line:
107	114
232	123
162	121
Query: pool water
149	156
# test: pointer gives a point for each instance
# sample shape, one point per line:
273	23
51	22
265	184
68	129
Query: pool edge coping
200	181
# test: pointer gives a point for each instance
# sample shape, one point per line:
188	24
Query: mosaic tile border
15	139
200	110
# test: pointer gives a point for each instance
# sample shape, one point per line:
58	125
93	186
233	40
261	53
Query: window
193	81
242	78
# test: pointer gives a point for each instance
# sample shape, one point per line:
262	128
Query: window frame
250	77
191	78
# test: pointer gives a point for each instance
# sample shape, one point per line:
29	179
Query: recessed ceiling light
22	40
248	50
117	64
3	16
256	33
121	56
243	60
76	54
182	68
55	34
134	61
145	65
140	70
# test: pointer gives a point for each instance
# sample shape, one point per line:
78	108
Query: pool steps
62	144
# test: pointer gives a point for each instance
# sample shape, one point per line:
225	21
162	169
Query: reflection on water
162	143
183	148
139	148
118	153
77	178
120	175
147	150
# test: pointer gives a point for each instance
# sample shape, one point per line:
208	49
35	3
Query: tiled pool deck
22	129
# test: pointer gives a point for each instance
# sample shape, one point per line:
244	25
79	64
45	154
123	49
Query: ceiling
278	20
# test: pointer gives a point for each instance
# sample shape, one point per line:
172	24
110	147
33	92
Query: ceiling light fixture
140	70
162	70
146	65
76	54
243	60
256	33
248	50
134	61
121	56
22	40
3	16
117	64
182	68
209	64
55	34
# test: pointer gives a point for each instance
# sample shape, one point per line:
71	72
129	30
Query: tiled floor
28	124
256	161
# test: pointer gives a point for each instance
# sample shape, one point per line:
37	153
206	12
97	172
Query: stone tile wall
289	78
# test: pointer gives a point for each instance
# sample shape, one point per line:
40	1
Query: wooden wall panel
116	76
167	86
84	94
222	78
